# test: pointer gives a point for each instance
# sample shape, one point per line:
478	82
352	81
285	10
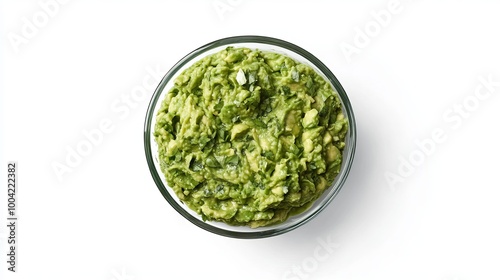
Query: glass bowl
265	44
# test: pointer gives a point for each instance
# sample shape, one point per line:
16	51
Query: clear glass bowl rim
261	232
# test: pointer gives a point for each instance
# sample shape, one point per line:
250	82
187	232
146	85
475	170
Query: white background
107	220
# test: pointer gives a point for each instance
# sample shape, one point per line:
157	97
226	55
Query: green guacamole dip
250	137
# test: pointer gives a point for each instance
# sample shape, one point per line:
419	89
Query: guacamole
250	137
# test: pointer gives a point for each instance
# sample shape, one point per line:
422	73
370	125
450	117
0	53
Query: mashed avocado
250	137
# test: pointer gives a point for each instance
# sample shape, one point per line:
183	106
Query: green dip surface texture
250	137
